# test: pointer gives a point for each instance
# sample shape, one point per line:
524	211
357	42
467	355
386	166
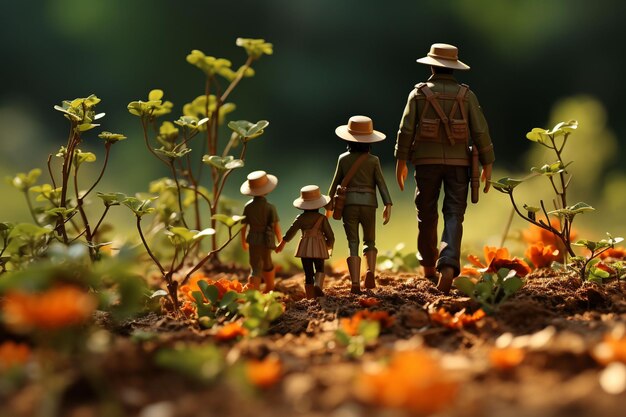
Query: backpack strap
432	100
353	170
459	102
318	223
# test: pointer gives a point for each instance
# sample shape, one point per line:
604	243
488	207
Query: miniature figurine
317	238
262	219
439	119
353	192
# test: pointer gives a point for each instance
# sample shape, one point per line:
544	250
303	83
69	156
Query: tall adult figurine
353	190
440	121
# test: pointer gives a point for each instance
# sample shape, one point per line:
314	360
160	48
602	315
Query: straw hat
311	198
359	129
443	55
258	183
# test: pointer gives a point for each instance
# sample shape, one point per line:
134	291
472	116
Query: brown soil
562	317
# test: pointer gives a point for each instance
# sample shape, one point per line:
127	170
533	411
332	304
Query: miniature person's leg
307	265
351	226
456	184
319	277
428	186
368	221
256	265
269	272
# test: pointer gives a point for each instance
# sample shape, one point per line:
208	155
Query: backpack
456	129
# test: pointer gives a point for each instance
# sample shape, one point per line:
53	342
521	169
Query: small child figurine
358	175
262	219
317	238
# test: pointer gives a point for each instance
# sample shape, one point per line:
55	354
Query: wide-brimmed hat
311	198
443	55
359	129
258	183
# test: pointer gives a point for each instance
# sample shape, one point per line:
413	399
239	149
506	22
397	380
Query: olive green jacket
306	221
260	217
409	145
362	188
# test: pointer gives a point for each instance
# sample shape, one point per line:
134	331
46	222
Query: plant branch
107	145
145	244
210	255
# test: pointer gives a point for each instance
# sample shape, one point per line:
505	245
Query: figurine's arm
406	132
328	234
401	173
337	178
384	192
244	244
486	176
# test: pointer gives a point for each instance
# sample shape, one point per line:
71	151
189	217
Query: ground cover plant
152	329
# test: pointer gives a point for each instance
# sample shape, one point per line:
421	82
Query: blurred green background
533	63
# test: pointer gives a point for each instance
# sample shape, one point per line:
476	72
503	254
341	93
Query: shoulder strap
318	223
353	169
458	102
432	99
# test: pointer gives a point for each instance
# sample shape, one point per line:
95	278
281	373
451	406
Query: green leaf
80	157
342	337
512	284
465	285
369	330
484	290
506	185
255	47
112	199
139	207
228	298
111	137
228	221
173	154
572	211
564	127
538	135
531	209
210	291
223	163
23	181
191	122
159	293
247	130
155	95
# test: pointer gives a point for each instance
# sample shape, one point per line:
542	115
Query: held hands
401	173
386	214
486	177
280	246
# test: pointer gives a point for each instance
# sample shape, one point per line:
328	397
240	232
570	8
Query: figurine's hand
244	245
401	173
386	214
486	176
329	213
280	246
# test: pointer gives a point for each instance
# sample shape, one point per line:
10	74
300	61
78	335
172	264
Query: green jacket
411	147
260	218
362	187
306	221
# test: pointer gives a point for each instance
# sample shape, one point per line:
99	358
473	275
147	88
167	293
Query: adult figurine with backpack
440	121
353	190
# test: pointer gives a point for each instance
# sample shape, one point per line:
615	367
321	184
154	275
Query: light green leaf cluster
492	289
80	112
181	236
153	108
255	48
168	134
138	206
367	333
111	137
199	106
248	130
23	181
546	136
223	163
211	65
47	193
204	363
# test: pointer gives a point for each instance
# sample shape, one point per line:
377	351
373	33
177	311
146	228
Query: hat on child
311	198
258	183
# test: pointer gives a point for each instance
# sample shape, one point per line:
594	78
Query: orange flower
265	373
369	302
614	253
506	358
468	271
458	321
13	354
413	381
351	325
497	258
59	307
536	234
223	286
611	349
188	309
230	331
542	255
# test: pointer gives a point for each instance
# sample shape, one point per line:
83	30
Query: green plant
208	311
201	117
259	310
201	363
396	261
554	139
65	216
356	340
590	268
491	290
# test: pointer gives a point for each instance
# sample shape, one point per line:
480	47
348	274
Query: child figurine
317	238
357	176
262	219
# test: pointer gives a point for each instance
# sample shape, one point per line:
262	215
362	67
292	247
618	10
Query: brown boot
254	283
445	279
319	284
430	273
354	266
268	277
370	275
309	290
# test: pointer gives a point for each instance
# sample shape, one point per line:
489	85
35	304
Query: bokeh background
533	63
